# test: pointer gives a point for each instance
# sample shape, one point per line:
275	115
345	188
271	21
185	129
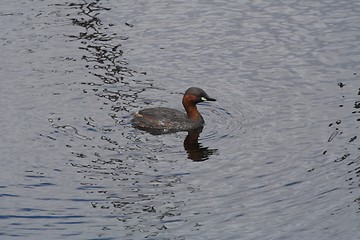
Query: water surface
277	158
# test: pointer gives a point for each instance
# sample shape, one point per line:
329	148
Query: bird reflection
195	151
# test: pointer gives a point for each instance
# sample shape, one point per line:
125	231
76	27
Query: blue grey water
278	157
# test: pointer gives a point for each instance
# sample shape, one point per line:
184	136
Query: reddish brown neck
189	103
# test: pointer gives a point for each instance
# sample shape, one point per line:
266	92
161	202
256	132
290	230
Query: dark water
278	157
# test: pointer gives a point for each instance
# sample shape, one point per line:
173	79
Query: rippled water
278	157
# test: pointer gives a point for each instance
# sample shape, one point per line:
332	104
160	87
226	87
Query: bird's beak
207	99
